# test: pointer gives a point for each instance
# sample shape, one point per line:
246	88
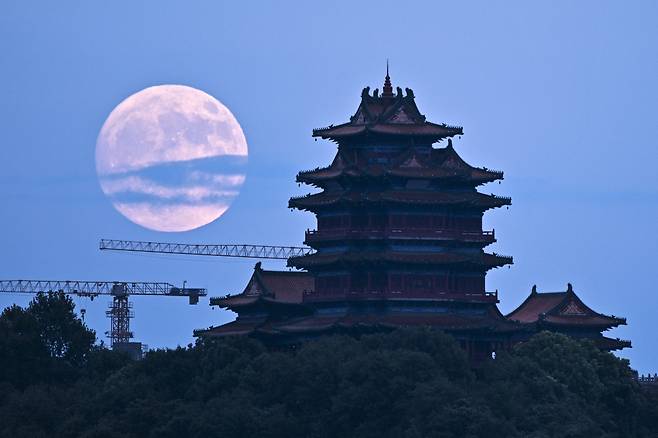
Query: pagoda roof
388	114
418	197
427	129
241	326
482	260
281	287
610	344
444	321
563	309
443	163
340	166
491	321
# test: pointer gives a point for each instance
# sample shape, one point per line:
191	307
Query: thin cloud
216	178
195	193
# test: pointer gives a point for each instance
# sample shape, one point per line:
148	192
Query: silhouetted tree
62	332
409	383
44	342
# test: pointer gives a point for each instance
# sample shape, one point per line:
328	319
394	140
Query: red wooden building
565	312
399	238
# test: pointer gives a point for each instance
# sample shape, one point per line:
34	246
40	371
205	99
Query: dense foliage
45	343
409	383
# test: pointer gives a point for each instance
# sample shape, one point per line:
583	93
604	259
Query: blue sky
562	96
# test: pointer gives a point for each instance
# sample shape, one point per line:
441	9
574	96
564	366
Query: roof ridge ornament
534	289
387	91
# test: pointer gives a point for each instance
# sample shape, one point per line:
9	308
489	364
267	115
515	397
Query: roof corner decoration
388	115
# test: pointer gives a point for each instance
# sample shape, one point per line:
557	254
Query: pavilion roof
482	260
561	309
416	197
427	129
283	287
610	344
241	326
394	320
491	321
388	114
443	163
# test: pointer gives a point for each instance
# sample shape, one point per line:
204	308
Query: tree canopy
407	383
45	342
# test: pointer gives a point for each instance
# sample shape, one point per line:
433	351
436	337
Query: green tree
62	332
554	385
44	342
408	383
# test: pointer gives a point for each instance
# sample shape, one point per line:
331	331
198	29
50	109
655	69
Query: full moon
171	158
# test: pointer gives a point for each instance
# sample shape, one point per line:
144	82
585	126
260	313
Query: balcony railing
492	294
365	294
396	232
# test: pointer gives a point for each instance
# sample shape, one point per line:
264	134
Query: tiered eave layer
393	258
488	322
473	199
442	164
388	115
430	130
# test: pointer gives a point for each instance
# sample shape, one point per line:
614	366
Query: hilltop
409	383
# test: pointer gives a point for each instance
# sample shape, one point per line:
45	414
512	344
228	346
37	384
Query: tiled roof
388	114
474	199
561	309
283	287
426	130
287	287
443	163
610	344
490	321
535	305
234	300
481	260
237	327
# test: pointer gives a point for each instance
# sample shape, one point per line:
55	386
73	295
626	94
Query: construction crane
218	250
119	310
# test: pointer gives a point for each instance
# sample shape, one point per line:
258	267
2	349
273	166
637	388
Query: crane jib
95	288
217	250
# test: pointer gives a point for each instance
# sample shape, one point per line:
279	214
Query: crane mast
217	250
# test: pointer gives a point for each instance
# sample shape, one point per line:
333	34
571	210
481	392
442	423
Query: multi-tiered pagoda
397	218
399	239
